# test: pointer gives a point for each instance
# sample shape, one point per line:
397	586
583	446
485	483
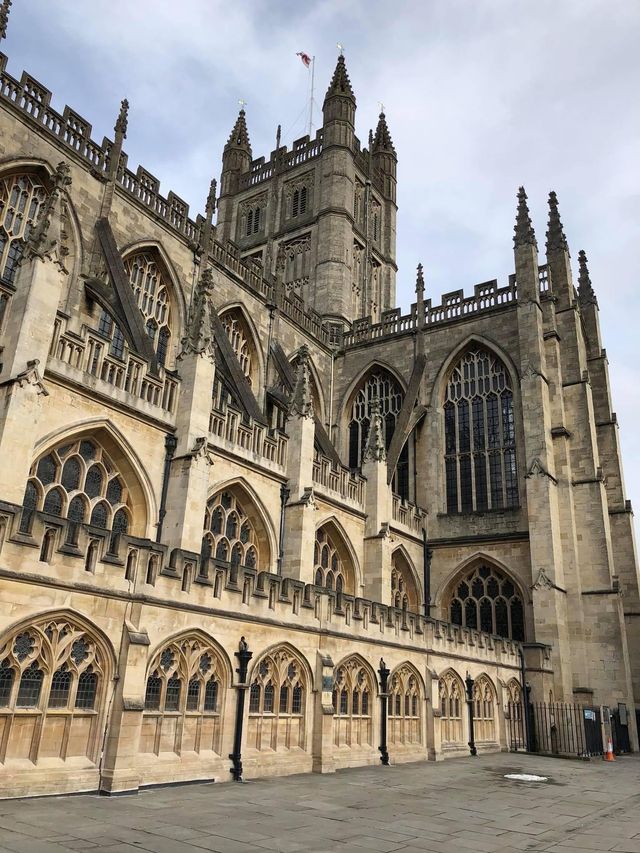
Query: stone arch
485	708
280	704
123	456
256	372
451	699
497	600
405	704
357	659
415	596
54	660
470	561
164	315
355	692
187	681
345	550
257	513
376	364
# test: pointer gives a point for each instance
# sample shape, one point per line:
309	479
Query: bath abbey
254	519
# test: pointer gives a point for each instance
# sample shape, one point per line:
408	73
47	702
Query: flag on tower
306	59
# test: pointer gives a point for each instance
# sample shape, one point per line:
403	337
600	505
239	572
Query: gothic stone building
223	428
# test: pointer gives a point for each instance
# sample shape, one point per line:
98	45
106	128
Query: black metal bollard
472	740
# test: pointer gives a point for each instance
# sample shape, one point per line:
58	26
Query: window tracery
78	481
403	590
486	599
484	709
330	569
184	698
229	534
404	706
277	698
382	386
22	198
151	289
451	696
480	442
53	677
353	695
241	341
108	327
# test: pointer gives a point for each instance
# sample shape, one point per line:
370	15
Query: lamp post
469	682
244	656
384	678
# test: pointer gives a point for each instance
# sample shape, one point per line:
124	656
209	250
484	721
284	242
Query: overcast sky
480	95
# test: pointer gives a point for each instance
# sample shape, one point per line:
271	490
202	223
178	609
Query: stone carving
524	234
301	404
45	240
375	449
199	339
556	240
543	582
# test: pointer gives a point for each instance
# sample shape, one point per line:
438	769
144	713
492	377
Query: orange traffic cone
609	756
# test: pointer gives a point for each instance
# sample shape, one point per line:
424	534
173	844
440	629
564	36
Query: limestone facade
219	432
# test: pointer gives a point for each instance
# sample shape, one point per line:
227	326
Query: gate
555	728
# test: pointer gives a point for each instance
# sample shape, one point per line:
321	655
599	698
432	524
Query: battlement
487	297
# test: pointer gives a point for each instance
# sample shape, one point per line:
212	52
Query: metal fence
554	728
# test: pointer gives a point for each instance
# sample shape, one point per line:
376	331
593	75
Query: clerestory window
22	198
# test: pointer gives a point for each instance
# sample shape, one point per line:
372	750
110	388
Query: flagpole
313	72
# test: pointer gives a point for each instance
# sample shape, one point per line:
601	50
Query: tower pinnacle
586	293
239	137
4	18
556	240
122	121
382	140
524	234
419	282
340	85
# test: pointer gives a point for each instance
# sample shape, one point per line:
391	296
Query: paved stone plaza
463	805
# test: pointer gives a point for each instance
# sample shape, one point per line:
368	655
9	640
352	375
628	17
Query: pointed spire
301	404
383	141
524	233
46	236
239	137
419	282
199	339
4	18
122	120
210	207
375	449
340	85
556	240
586	293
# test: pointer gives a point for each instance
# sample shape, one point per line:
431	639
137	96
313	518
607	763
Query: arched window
382	386
230	533
404	594
451	697
277	698
486	599
404	707
253	220
22	198
185	695
77	480
331	570
484	709
353	697
52	665
480	440
299	201
241	341
151	288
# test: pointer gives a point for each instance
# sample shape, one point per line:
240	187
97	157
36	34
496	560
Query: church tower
326	209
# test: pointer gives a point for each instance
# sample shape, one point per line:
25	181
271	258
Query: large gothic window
151	288
353	696
383	386
480	442
21	201
331	570
404	707
230	535
78	481
53	677
486	599
184	698
277	701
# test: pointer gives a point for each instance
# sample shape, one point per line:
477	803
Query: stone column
377	545
322	746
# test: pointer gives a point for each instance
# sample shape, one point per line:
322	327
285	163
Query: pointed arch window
484	709
487	600
299	201
108	327
22	198
479	430
404	594
277	697
186	684
451	697
150	285
78	481
404	707
331	572
241	341
353	695
229	533
253	221
383	386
